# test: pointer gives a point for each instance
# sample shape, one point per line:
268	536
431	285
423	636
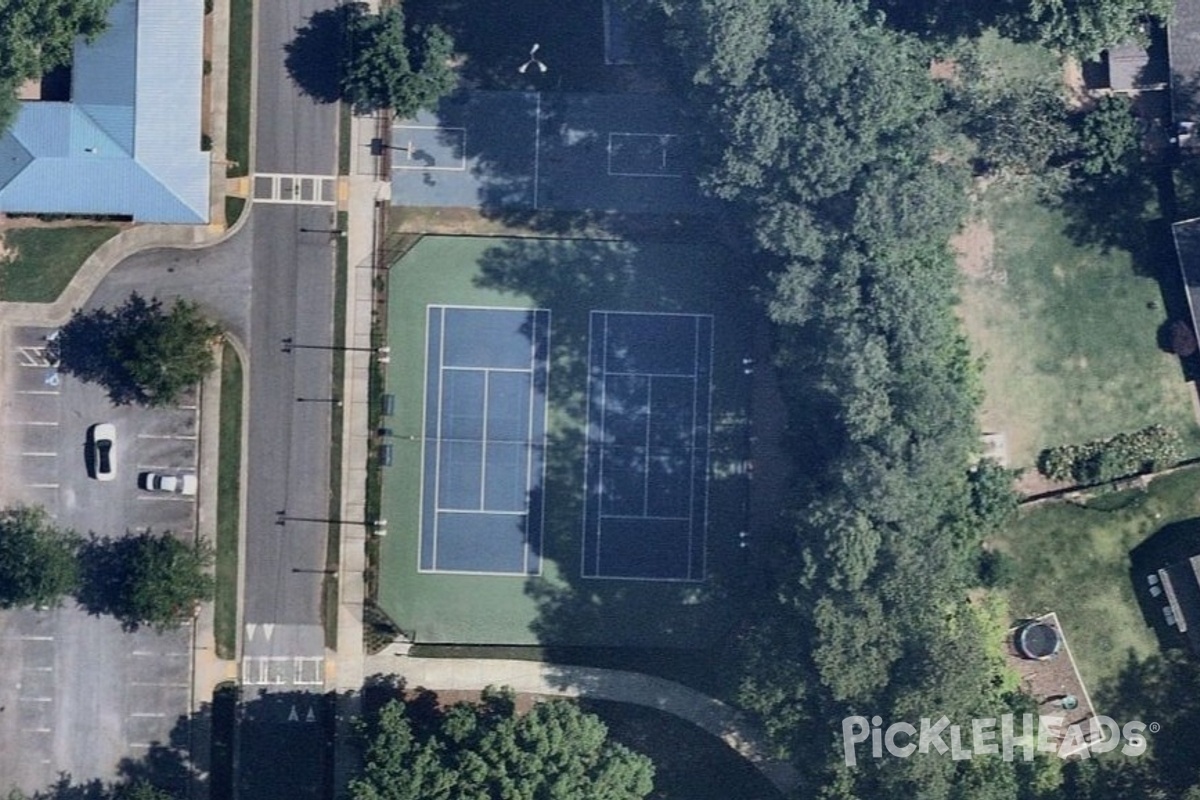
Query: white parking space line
36	730
187	408
182	654
30	638
36	699
39	454
141	745
147	715
38	392
38	669
168	498
41	424
176	437
43	486
169	685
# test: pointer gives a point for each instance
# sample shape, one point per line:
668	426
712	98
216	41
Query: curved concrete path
532	677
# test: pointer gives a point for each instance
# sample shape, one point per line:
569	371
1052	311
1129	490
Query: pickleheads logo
992	736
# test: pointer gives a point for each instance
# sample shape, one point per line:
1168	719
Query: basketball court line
664	140
408	156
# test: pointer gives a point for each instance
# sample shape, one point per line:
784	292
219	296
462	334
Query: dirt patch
943	69
7	252
1077	97
975	252
1032	483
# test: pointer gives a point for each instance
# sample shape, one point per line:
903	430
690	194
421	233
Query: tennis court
484	440
649	387
549	151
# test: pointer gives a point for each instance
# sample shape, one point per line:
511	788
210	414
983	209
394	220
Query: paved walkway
531	677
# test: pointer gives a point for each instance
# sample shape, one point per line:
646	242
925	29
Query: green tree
37	560
137	351
38	35
1108	138
166	580
1086	27
487	750
145	579
387	66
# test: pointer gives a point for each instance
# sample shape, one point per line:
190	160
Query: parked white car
102	439
184	484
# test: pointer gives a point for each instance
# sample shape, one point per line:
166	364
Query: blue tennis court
649	406
484	443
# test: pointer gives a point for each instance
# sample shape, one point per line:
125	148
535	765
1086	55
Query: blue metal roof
128	143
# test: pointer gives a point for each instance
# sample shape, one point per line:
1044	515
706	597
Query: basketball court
548	151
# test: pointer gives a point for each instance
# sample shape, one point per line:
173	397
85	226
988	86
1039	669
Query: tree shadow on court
314	57
496	39
645	618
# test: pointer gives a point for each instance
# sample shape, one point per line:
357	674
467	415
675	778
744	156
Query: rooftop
128	141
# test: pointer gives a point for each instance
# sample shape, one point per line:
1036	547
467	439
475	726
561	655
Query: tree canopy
487	750
38	35
148	579
387	66
37	560
137	351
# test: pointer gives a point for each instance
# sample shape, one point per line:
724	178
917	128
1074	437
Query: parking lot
78	694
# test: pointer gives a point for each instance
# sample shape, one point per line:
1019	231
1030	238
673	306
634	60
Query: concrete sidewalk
531	677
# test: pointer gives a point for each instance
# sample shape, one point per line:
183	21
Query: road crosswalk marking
316	190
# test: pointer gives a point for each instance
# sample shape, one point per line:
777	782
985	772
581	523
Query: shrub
1147	450
997	570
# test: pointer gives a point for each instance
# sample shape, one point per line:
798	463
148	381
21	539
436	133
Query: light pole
533	59
336	401
336	233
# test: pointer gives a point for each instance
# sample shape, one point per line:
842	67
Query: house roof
1183	39
128	142
1187	251
1127	65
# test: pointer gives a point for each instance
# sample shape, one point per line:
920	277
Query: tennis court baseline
649	408
484	443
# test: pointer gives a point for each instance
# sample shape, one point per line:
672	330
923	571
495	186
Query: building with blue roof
127	143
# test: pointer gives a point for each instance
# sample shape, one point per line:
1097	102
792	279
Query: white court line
645	516
167	685
483	450
423	168
38	392
537	148
32	423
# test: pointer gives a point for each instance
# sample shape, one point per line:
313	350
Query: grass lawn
689	763
46	259
228	504
569	278
333	541
1068	334
1075	560
233	209
241	46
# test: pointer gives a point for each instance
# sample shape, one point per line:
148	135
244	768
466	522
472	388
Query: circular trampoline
1038	641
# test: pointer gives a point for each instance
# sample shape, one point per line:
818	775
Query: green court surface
570	279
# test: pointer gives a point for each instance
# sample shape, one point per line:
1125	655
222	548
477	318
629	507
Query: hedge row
1147	450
